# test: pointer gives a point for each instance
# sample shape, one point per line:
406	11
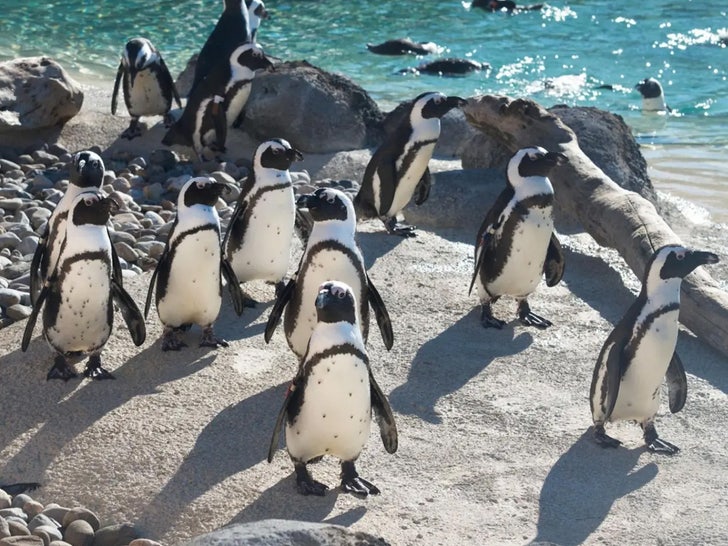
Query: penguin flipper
677	384
422	191
237	214
169	82
290	393
384	416
131	313
282	300
613	375
380	312
115	93
233	286
490	224
40	250
115	265
152	282
555	262
30	324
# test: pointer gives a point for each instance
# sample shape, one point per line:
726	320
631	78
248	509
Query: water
575	46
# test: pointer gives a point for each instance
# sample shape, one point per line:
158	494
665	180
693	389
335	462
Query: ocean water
562	54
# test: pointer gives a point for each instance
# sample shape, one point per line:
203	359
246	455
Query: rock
37	93
28	245
32	508
20	500
59	543
12	204
48	533
22	540
9	240
4	528
330	112
126	252
8	298
13	512
83	514
42	519
55	511
116	535
144	542
79	532
18	528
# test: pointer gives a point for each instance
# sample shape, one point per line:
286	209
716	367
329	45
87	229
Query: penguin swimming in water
256	13
188	276
403	46
398	168
77	296
640	352
217	101
331	253
653	98
259	237
231	30
516	243
447	67
328	406
147	84
506	5
86	172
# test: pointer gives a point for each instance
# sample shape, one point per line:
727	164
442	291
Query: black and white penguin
259	237
403	46
147	83
217	101
653	98
188	276
516	243
640	351
504	5
231	30
77	295
398	168
331	253
447	67
328	406
256	13
86	171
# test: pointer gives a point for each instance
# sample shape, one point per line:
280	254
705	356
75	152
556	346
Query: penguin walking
217	101
328	406
76	299
331	253
516	243
640	352
147	84
86	172
260	233
256	13
398	168
188	276
653	98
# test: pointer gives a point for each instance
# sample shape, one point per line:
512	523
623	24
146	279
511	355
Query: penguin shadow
447	362
582	486
232	327
375	244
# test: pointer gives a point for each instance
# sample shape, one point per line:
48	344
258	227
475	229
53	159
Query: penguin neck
654	104
272	177
425	128
197	216
72	192
531	186
85	237
340	230
343	332
660	292
240	73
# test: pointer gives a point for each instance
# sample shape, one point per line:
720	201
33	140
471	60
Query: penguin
188	275
640	352
260	233
86	171
328	406
14	489
231	30
447	67
507	5
516	243
256	13
148	85
398	168
653	98
217	101
76	298
331	253
403	46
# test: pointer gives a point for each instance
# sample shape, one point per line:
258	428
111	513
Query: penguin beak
701	257
456	102
322	299
294	155
556	158
304	201
132	74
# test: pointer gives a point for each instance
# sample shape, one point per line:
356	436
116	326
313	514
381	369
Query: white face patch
416	115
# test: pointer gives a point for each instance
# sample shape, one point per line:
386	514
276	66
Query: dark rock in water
447	67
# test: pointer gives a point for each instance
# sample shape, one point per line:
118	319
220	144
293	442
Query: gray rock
6	165
22	540
12	204
116	535
8	298
17	526
40	182
153	249
80	513
59	543
4	528
16	270
46	158
48	533
55	511
126	252
42	519
13	512
166	159
144	542
28	245
32	507
155	219
79	532
18	312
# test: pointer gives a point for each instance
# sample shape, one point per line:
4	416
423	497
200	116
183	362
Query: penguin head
649	88
138	54
277	154
201	190
335	302
326	204
434	105
256	12
90	208
674	262
533	161
86	170
246	59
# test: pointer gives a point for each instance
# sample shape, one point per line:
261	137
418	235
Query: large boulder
36	93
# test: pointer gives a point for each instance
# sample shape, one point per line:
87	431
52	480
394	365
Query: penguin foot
209	339
171	340
655	443
399	228
352	483
528	318
488	320
306	484
94	370
600	436
61	370
134	130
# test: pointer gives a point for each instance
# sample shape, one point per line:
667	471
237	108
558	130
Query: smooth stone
116	535
166	159
81	513
40	182
48	533
55	511
18	312
4	283
125	251
14	512
59	543
20	500
22	230
15	270
28	245
8	298
5	499
7	165
18	527
42	519
41	156
4	528
126	218
155	218
153	192
22	540
32	507
79	533
173	184
12	204
117	236
144	542
139	162
9	240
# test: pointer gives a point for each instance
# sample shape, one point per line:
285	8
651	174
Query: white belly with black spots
409	180
237	103
193	291
146	98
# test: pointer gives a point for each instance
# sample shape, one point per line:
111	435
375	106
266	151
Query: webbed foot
94	370
134	130
657	444
399	228
306	484
172	339
61	370
601	438
209	339
527	318
352	483
488	320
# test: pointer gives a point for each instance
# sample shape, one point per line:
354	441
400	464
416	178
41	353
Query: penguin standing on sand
260	233
516	243
256	13
86	172
147	83
653	98
398	169
217	101
328	407
640	352
77	296
331	253
188	276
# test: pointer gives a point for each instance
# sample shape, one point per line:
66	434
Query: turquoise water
575	46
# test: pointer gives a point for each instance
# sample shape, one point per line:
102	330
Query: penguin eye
201	184
680	255
88	201
276	151
330	198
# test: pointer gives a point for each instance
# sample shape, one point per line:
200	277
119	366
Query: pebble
22	540
48	533
79	533
84	514
41	520
116	535
9	240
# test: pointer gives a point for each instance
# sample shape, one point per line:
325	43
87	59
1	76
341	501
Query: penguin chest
146	97
639	390
192	295
265	249
410	170
235	99
335	415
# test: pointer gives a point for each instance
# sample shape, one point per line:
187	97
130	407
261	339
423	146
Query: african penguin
77	295
86	172
328	406
504	5
403	46
260	233
653	98
640	351
398	168
217	101
147	83
447	67
231	30
331	253
256	13
516	243
188	276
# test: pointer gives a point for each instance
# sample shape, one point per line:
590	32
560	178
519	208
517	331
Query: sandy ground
493	441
